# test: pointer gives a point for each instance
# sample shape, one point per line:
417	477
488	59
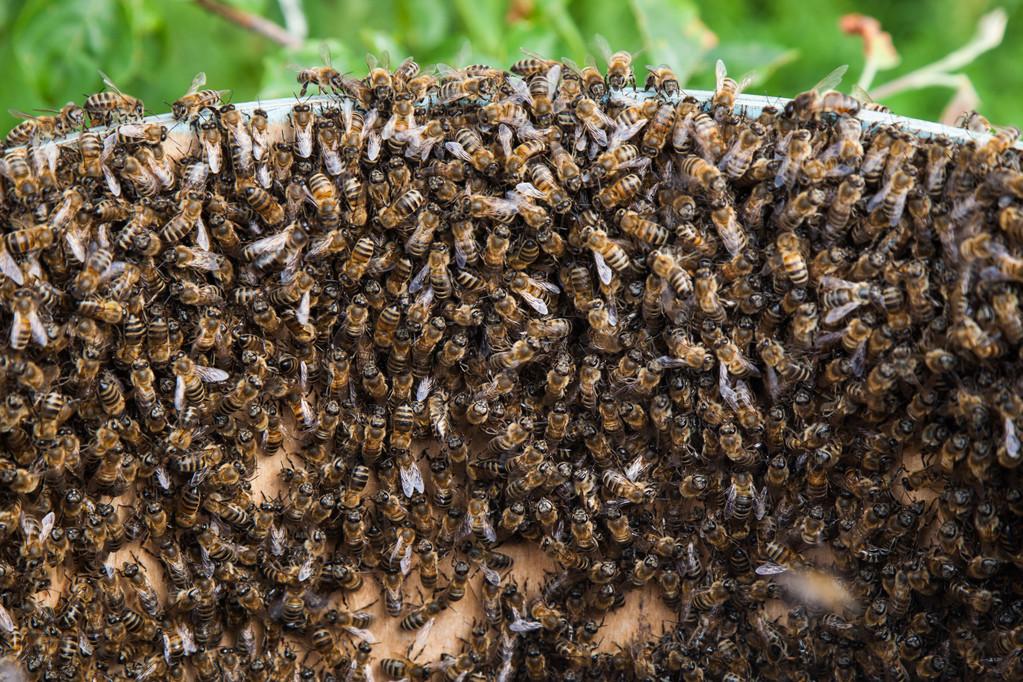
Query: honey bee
194	99
726	91
105	107
17	169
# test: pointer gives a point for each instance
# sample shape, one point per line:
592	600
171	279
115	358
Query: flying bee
194	99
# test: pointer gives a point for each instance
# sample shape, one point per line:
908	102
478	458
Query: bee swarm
751	366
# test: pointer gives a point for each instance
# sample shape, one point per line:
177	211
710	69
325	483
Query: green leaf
564	25
251	6
62	42
483	22
428	23
673	34
383	46
760	60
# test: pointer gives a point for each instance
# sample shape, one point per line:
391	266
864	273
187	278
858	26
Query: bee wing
213	156
546	286
167	648
373	146
520	625
113	184
733	492
604	270
598	134
760	503
461	257
306	569
668	362
202	238
10	268
535	303
162	477
304	140
406	561
642	162
770	569
179	394
504	136
529	189
411	479
837	313
263	176
720	74
29	526
634	469
829	282
302	314
725	387
187	641
268	248
211	375
488	530
37	326
457	150
131	130
424	387
109	83
831	81
553	79
423	636
625	133
332	161
612	312
388	130
603	47
278	540
197	82
363	634
46	525
417	282
1011	439
369	121
206	260
520	90
47	151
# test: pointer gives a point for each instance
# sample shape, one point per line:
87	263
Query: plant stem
989	35
251	22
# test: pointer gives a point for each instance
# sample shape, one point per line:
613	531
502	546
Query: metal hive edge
747	105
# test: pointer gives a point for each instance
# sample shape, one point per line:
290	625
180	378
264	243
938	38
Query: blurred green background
152	48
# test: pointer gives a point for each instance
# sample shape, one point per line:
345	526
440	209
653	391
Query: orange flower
877	44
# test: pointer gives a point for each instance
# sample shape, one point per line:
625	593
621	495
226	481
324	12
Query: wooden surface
529	571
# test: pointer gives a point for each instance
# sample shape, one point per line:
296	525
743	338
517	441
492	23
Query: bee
17	169
739	156
114	105
665	266
797	151
401	209
800	208
824	99
194	99
27	324
726	91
